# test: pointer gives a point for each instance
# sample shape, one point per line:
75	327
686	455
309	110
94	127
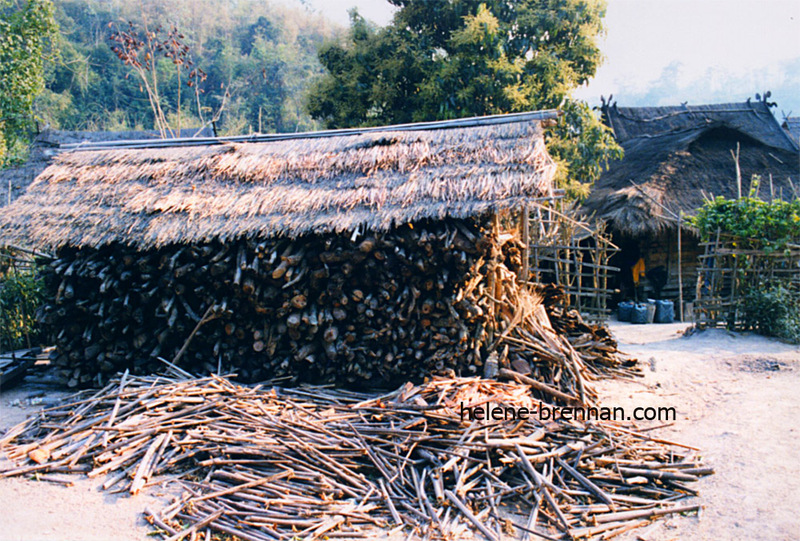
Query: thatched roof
313	183
47	144
792	125
679	156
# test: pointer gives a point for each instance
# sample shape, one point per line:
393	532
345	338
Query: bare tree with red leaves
140	48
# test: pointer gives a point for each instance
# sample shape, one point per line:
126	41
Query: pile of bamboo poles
266	463
541	343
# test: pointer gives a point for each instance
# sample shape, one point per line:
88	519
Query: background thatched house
676	158
15	180
349	254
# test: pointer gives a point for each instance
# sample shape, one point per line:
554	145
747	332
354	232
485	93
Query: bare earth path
737	397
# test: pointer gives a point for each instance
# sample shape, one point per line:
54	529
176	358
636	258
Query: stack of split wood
433	298
313	463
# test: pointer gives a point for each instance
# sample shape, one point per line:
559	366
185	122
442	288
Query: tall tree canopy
441	59
26	31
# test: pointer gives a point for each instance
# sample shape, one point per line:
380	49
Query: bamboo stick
271	463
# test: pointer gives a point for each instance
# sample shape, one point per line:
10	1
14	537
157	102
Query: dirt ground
737	398
33	511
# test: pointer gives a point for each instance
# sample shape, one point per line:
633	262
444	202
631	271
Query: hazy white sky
378	11
697	49
670	51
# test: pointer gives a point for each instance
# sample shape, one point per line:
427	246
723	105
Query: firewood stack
375	308
383	308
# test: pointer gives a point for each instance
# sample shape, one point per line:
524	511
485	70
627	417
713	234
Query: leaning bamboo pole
526	241
680	264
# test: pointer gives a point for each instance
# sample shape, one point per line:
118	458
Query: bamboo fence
729	268
566	251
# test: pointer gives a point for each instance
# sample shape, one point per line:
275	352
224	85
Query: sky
665	52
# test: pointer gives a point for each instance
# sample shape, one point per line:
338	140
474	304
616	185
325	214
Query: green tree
27	30
441	59
259	59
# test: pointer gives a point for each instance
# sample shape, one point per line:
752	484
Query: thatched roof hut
47	144
677	156
335	256
675	159
149	194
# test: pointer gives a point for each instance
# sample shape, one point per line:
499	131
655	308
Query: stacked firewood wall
378	308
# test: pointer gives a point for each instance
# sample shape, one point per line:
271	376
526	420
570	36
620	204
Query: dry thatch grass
152	197
44	147
792	126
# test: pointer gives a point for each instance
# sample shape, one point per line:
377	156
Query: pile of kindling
267	463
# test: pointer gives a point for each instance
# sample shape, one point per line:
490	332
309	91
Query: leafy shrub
773	310
766	227
769	225
21	294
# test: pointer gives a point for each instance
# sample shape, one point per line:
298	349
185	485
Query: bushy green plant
771	224
27	29
773	310
444	60
21	294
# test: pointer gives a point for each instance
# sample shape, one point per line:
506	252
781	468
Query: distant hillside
262	55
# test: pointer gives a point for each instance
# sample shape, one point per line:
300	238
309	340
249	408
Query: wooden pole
526	241
733	292
492	277
208	316
539	235
680	269
738	171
